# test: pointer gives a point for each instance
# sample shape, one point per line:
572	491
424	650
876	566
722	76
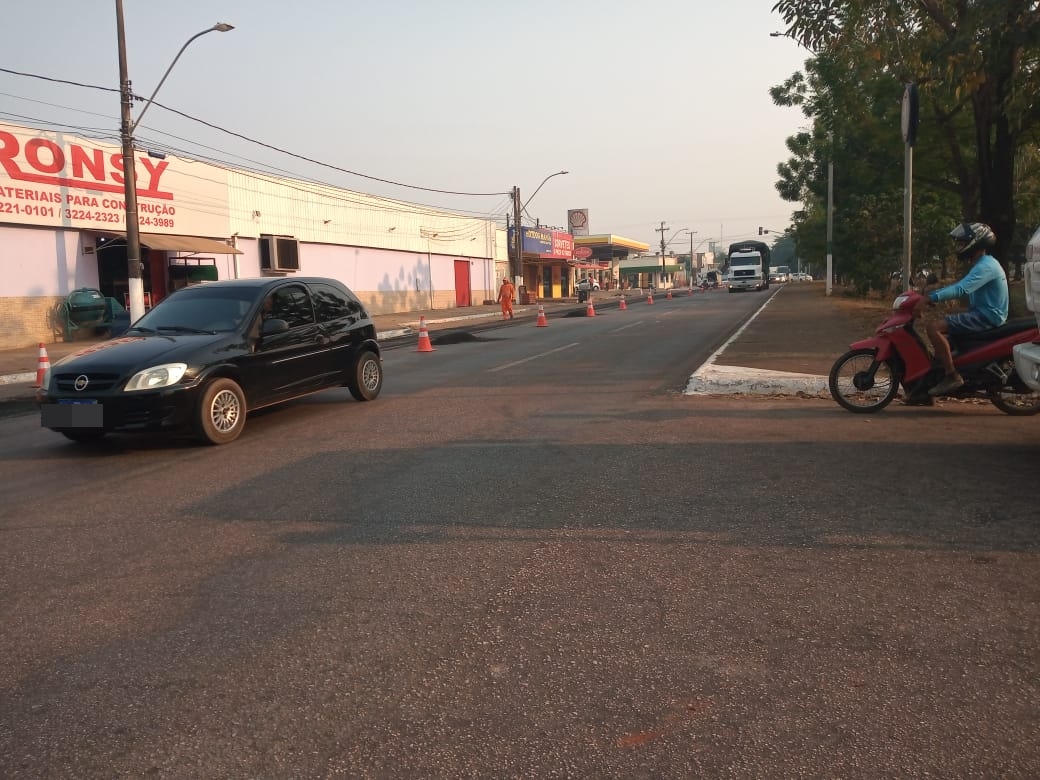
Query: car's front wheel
222	412
366	376
85	436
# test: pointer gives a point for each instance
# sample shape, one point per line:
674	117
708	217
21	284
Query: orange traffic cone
668	295
589	310
622	306
542	322
424	337
650	296
43	367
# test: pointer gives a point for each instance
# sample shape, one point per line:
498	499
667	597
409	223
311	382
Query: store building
547	256
62	227
553	261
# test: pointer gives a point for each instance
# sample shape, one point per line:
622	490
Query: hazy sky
659	109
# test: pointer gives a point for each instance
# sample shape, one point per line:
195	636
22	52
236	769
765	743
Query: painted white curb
713	379
17	379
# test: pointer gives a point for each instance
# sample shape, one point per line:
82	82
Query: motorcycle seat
965	342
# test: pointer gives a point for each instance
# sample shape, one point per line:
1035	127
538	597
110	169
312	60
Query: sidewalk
787	349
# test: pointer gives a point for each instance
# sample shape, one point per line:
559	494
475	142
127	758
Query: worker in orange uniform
505	297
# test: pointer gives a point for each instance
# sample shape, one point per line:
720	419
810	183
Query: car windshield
750	261
199	310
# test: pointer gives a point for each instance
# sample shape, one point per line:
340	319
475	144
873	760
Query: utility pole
128	125
518	239
830	223
662	230
135	283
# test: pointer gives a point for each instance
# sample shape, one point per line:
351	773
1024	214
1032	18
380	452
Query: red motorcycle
868	376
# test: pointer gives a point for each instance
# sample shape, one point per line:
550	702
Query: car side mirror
273	327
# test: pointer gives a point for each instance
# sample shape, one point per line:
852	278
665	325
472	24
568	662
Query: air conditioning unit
279	253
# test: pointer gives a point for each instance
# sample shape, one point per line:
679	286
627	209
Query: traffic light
760	231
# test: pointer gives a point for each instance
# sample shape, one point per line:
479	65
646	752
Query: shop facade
554	261
547	257
62	228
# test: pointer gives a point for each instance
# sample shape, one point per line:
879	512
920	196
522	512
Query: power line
260	143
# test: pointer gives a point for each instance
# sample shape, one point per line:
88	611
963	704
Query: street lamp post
710	241
689	265
127	127
689	281
518	240
664	244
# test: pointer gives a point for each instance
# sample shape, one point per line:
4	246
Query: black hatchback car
207	355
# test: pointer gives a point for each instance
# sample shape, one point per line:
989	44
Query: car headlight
156	377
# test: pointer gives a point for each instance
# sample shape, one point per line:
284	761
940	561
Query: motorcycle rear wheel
1015	398
853	388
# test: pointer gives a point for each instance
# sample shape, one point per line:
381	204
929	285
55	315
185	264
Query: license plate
73	413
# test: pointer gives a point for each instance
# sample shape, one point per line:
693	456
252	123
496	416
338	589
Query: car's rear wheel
221	413
366	376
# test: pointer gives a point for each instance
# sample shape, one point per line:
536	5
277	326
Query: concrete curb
17	379
712	379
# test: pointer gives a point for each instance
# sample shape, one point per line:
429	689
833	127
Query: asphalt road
531	557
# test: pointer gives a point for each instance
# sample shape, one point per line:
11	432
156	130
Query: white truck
1027	356
748	266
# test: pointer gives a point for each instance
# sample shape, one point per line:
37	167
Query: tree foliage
977	67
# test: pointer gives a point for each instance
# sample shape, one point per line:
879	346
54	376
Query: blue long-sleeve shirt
986	287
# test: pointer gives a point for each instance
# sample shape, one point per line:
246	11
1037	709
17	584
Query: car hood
133	353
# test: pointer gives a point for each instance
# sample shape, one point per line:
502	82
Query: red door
462	285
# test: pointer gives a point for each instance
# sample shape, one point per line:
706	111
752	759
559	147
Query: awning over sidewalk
166	242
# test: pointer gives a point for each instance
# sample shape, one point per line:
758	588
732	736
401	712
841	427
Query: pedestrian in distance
986	286
505	297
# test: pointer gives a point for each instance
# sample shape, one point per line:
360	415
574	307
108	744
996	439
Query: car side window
293	305
332	304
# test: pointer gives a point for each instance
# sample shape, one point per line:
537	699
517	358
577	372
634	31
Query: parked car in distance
586	284
208	354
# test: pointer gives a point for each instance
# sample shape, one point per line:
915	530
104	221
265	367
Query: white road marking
629	325
504	366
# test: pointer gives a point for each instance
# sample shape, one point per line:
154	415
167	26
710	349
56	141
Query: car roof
264	282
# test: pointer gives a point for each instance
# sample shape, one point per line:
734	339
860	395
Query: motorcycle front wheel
860	385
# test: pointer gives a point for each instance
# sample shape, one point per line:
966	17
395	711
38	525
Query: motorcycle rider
986	286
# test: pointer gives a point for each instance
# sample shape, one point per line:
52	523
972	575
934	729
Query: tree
976	64
855	113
